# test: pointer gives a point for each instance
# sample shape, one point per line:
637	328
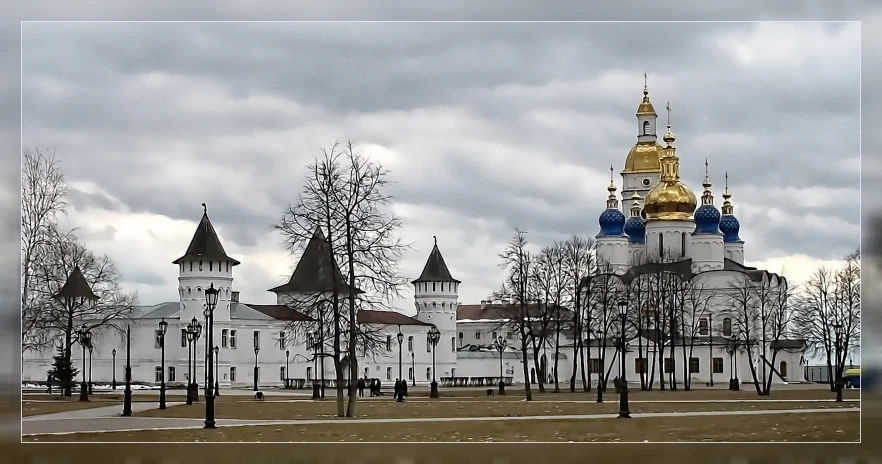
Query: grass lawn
30	408
237	408
779	427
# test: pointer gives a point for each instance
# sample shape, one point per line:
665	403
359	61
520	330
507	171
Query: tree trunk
527	391
577	341
586	379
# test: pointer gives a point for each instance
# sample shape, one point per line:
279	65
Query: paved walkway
94	413
131	424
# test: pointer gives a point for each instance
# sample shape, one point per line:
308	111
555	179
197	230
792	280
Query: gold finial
706	198
669	136
204	209
611	201
611	174
635	205
707	182
728	209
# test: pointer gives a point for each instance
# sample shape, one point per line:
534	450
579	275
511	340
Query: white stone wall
673	233
436	304
192	282
735	251
615	251
706	251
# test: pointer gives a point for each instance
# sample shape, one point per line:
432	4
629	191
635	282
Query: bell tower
435	295
205	263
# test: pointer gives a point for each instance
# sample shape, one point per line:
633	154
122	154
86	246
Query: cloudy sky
485	127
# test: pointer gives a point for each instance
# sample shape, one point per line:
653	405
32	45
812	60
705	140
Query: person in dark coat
397	388
361	388
403	388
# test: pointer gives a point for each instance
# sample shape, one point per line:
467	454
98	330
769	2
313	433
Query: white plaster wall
735	251
706	251
672	232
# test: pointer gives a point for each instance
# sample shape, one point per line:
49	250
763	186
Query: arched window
727	327
442	286
191	266
702	326
645	127
198	289
434	306
661	246
442	306
433	286
189	290
200	265
783	369
683	244
211	266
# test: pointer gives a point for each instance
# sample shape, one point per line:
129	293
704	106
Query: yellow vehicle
852	378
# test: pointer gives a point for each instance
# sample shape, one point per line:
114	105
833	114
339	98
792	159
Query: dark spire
76	287
312	272
436	269
205	244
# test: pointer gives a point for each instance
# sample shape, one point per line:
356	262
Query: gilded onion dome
644	156
670	199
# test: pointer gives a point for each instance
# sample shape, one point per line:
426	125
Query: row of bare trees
344	211
49	255
564	292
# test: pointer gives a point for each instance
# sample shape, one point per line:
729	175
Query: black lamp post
127	396
216	370
196	335
710	343
434	336
84	338
211	295
500	344
624	411
191	334
163	328
837	328
413	369
600	368
400	377
90	365
113	384
732	349
313	341
287	377
256	350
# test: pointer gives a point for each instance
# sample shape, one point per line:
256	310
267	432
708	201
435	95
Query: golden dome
645	108
644	157
670	199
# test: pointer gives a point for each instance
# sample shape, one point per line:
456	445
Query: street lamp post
163	328
216	370
113	384
732	349
837	328
624	411
313	341
191	333
90	365
84	338
710	343
256	369
434	337
287	377
500	344
400	376
211	295
196	335
600	368
127	396
413	369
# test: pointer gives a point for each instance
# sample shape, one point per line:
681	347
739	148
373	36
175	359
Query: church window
232	374
646	182
783	369
228	266
189	290
410	343
191	265
442	306
433	286
477	335
388	343
211	266
183	337
494	336
683	244
224	335
702	326
452	344
442	286
661	246
694	366
409	373
646	128
200	265
232	339
388	373
727	327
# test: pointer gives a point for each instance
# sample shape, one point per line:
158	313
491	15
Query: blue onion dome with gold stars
612	221
729	224
634	226
707	217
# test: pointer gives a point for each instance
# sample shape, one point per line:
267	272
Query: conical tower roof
313	272
205	244
76	287
435	270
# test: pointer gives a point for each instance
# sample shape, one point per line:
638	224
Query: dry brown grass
777	427
264	410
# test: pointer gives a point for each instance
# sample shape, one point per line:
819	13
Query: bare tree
579	267
42	201
59	321
697	299
827	299
606	292
553	284
519	286
343	198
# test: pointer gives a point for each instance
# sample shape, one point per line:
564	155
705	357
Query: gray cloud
510	124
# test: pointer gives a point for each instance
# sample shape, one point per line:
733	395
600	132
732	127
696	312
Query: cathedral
659	221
